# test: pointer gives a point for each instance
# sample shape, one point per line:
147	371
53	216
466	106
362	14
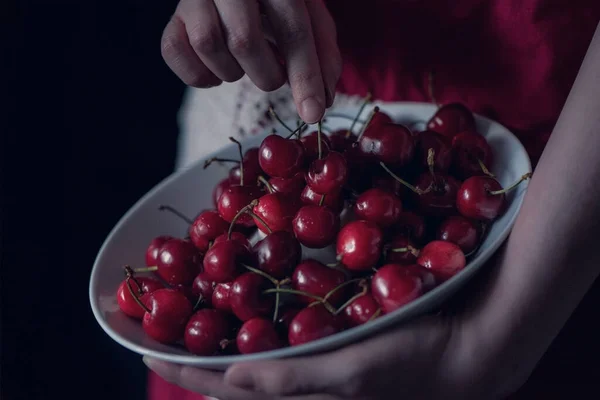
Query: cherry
188	292
130	303
290	186
167	313
483	198
359	245
281	157
234	199
412	225
203	288
334	201
257	335
222	262
246	297
206	228
442	147
437	194
312	323
393	286
277	254
340	141
285	319
390	143
205	331
428	278
378	206
444	259
236	237
328	174
154	248
277	211
313	277
361	310
250	167
377	119
451	119
472	154
219	189
311	146
316	226
178	262
401	250
460	231
387	183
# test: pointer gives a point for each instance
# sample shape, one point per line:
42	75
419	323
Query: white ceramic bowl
190	191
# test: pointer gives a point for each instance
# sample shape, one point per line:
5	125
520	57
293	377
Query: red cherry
251	167
178	262
222	186
286	315
393	286
475	199
407	256
205	331
311	146
154	248
313	277
222	262
289	186
257	335
359	245
334	201
236	237
443	259
187	292
206	228
281	157
203	287
429	280
234	199
392	144
387	183
471	150
277	211
141	287
221	297
311	324
277	254
451	119
441	145
439	197
167	315
328	174
316	226
460	231
247	298
378	206
361	310
411	225
340	142
378	119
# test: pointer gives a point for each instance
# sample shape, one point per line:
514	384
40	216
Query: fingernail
312	109
238	378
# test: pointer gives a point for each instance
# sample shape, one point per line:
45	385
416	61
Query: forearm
551	257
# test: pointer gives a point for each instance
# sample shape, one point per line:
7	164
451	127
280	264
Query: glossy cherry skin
169	313
281	157
451	119
311	276
440	200
339	141
219	189
393	286
311	146
234	199
316	226
359	245
444	259
206	228
221	297
401	241
361	310
278	254
252	169
289	186
427	277
179	261
236	237
334	201
411	224
247	298
391	143
379	118
329	174
469	148
312	323
442	147
475	201
154	248
127	302
203	287
378	206
257	335
205	331
460	231
277	211
222	262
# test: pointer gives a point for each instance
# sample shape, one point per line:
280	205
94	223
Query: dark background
91	107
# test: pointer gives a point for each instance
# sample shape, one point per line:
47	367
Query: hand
210	41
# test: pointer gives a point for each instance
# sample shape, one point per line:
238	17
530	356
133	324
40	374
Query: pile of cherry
414	206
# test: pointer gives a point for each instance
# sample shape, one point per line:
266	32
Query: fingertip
312	109
239	376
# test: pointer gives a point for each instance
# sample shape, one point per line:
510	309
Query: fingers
293	33
181	58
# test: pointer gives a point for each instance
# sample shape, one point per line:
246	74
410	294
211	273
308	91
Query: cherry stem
265	182
369	119
298	131
320	300
146	269
129	273
407	249
262	273
274	115
322	200
277	299
238	215
259	218
431	161
364	291
485	169
319	145
362	107
137	300
221	160
343	285
375	314
511	187
239	145
198	303
337	267
174	211
402	181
